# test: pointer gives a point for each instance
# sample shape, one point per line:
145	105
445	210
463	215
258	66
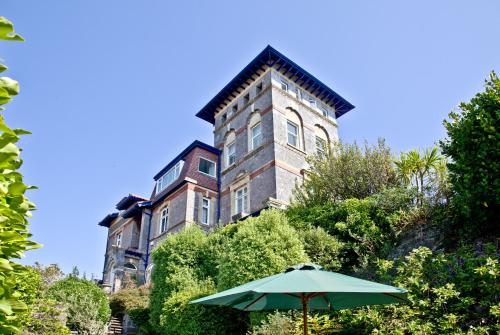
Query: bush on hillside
87	305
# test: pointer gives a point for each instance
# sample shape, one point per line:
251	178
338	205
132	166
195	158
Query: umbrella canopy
306	286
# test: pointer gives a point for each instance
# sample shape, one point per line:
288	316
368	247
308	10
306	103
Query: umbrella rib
253	302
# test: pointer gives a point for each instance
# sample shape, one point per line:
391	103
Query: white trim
211	161
176	170
207	208
228	162
253	136
161	230
296	134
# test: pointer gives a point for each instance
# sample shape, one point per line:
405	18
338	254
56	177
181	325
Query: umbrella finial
304	266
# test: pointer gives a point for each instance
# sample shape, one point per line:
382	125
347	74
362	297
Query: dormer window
169	177
207	167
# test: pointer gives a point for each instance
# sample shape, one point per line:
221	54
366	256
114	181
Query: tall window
324	110
163	224
205	211
169	177
119	239
320	146
231	154
206	167
293	133
241	198
256	136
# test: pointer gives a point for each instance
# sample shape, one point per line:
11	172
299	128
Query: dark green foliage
348	171
473	144
129	299
88	306
448	294
363	228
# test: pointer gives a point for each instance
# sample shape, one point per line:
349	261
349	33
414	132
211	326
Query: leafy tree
360	228
15	208
322	248
127	299
185	268
88	306
50	274
262	246
348	171
473	144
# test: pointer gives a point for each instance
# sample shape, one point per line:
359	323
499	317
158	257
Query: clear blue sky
110	88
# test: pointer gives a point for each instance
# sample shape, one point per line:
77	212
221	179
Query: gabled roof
129	200
184	153
270	57
108	219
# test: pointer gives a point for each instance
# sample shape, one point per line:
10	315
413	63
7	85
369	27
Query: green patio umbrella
306	287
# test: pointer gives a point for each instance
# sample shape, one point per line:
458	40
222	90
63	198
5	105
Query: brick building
266	121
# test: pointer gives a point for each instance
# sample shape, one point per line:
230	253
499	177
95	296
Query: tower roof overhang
269	58
108	219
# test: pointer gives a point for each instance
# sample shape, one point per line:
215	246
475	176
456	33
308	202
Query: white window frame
205	208
210	161
241	195
229	155
163	220
173	173
295	135
118	240
256	137
284	85
321	149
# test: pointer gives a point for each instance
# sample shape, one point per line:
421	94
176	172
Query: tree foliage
88	306
347	171
448	294
473	144
261	246
15	208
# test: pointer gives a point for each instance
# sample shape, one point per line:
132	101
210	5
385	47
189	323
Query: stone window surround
238	183
206	207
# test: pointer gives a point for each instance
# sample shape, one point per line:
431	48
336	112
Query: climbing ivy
15	208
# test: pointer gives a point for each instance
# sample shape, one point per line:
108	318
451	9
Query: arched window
230	149
322	140
163	221
294	130
254	131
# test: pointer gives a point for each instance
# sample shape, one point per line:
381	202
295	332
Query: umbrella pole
304	312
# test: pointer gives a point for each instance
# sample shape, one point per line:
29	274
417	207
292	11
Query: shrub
448	294
88	307
128	299
348	171
473	144
323	249
262	246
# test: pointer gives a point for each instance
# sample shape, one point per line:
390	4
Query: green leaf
10	85
3	67
7	31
